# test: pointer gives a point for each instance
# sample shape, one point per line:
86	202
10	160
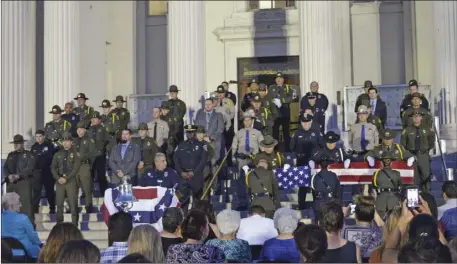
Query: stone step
83	226
93	235
93	217
81	209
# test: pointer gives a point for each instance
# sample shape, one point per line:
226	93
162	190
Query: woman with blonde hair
146	240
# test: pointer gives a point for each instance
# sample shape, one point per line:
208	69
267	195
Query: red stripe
368	179
396	165
145	194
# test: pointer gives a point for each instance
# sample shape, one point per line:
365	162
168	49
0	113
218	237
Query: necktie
94	132
372	107
220	103
417	142
65	163
246	143
141	148
123	148
208	116
155	131
363	142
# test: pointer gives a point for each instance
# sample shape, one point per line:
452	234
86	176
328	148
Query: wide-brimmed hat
268	142
95	114
18	139
248	114
173	89
417	112
143	126
190	128
81	96
362	110
220	89
106	104
256	98
81	124
201	129
386	155
388	134
368	84
413	83
253	81
331	137
56	110
263	87
119	98
279	74
165	105
67	136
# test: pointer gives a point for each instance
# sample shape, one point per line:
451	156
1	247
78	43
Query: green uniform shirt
264	116
123	115
396	151
85	146
426	139
66	164
275	159
111	123
381	178
427	119
101	138
360	100
53	130
267	102
84	112
177	109
285	93
265	178
20	163
173	124
148	147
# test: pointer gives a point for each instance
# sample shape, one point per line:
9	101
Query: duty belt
86	162
242	156
187	170
390	190
415	152
255	195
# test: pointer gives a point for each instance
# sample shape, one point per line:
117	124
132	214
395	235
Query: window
157	8
269	4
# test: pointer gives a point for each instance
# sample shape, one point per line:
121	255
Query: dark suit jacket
216	124
128	164
381	110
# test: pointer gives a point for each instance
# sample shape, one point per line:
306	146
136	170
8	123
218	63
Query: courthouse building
52	50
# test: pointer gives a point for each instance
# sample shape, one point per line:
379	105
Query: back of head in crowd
119	227
78	251
206	207
423	226
146	240
331	217
449	190
311	241
257	210
172	219
364	209
195	225
134	258
431	202
424	250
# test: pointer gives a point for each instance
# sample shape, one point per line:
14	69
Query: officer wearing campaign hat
101	137
335	155
419	140
82	110
122	113
275	159
364	96
317	113
373	119
387	183
178	110
225	106
111	122
268	101
247	98
406	103
65	167
282	94
55	128
173	125
246	143
325	186
427	121
394	150
263	118
71	117
190	158
321	99
19	168
363	136
148	148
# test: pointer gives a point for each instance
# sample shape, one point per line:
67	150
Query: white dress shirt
449	204
256	230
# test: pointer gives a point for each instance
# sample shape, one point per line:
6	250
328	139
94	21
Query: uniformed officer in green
419	141
263	118
122	113
85	147
18	169
207	171
112	124
406	103
53	130
177	110
82	110
394	150
263	187
275	159
246	143
98	133
363	97
267	101
427	119
387	183
148	147
65	167
172	142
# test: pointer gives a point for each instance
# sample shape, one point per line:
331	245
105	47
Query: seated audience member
452	247
7	253
208	208
256	229
78	251
311	241
235	250
194	230
365	234
339	250
145	239
18	226
171	221
60	234
134	258
450	197
282	248
424	250
119	227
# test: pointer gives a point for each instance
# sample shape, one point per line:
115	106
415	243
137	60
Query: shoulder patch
92	140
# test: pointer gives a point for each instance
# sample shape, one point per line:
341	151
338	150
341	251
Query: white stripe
367	172
108	201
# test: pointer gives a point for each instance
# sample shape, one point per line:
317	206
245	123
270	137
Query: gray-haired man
160	175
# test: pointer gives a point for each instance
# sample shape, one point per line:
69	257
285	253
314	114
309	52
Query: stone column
186	52
61	53
321	49
18	71
445	13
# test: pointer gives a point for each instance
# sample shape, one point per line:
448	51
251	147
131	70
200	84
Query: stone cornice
251	32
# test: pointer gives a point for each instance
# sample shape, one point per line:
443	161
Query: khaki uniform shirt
227	109
162	131
66	164
371	135
239	141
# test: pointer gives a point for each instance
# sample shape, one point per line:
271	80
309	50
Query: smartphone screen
413	197
352	208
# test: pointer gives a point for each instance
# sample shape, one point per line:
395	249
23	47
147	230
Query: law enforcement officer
275	159
171	142
427	119
190	159
229	94
71	117
363	97
203	138
267	101
177	110
227	108
325	186
263	187
406	103
283	95
158	128
43	151
82	110
387	183
98	133
253	88
160	175
373	119
246	143
419	141
111	123
312	108
321	99
148	147
334	154
65	167
122	113
363	136
388	147
304	143
85	147
54	129
263	118
18	168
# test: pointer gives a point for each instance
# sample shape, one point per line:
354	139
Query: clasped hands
187	175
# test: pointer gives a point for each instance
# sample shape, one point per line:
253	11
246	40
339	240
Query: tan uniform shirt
162	131
239	141
355	136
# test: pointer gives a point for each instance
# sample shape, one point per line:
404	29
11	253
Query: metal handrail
215	175
435	129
